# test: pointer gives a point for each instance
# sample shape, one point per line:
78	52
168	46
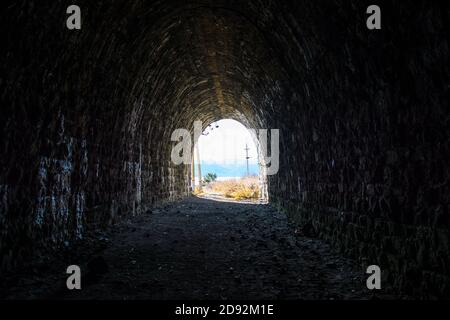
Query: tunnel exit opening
227	162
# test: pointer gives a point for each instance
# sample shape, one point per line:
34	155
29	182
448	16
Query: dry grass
197	191
239	189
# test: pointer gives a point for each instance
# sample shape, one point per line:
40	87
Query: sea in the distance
229	171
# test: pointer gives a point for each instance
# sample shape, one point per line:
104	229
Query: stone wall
365	160
86	118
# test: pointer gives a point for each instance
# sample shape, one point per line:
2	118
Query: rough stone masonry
86	117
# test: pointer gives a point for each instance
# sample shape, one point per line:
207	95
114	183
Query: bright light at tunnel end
182	151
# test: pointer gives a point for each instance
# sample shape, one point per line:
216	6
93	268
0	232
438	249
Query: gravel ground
201	248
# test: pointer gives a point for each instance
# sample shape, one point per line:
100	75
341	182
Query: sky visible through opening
222	150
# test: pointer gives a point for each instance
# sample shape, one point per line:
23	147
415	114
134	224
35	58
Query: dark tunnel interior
86	119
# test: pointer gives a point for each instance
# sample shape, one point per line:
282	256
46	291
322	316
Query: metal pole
198	167
193	170
246	158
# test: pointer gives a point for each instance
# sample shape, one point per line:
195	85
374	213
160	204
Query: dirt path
206	249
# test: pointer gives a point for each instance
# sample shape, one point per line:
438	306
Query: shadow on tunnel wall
86	118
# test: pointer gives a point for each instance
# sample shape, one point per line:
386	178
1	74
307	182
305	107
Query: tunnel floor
201	248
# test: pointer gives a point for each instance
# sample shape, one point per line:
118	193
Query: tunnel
87	117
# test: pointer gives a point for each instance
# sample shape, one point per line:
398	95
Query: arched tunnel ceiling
202	61
192	61
359	112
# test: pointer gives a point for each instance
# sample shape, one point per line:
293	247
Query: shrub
210	177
